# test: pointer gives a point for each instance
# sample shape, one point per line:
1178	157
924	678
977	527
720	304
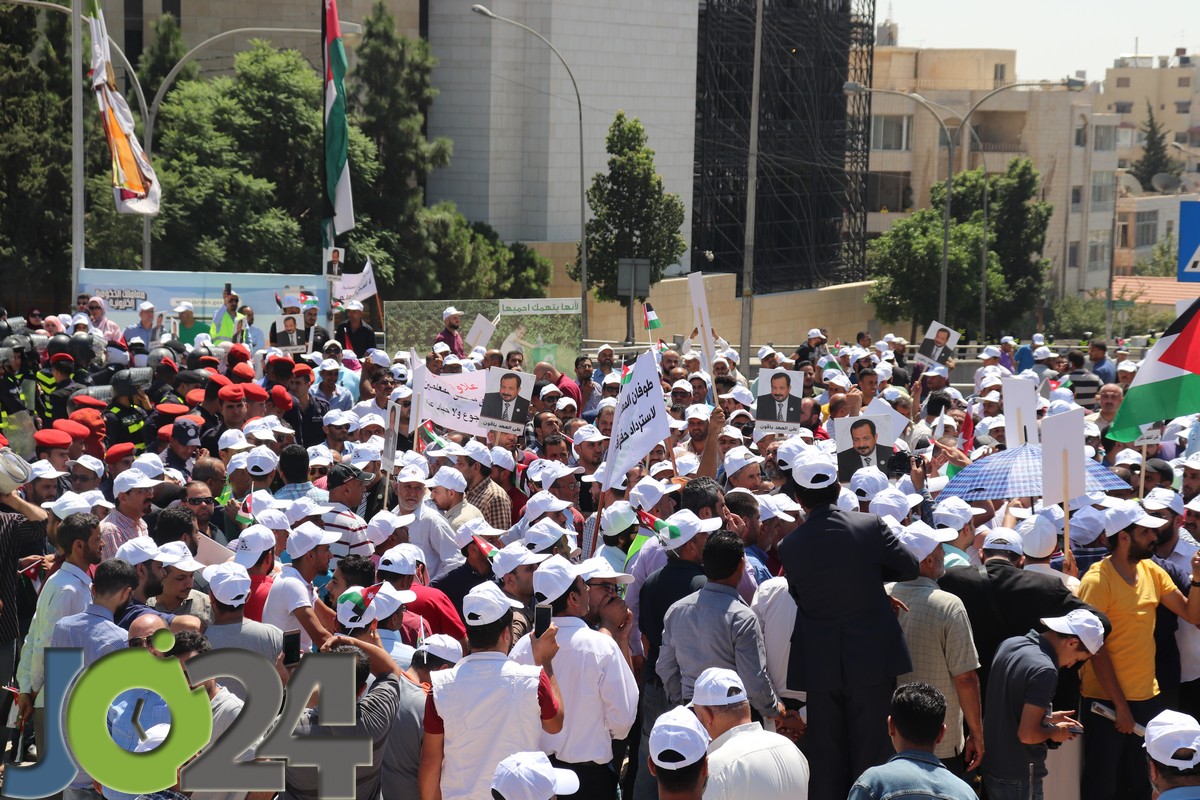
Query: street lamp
484	11
854	87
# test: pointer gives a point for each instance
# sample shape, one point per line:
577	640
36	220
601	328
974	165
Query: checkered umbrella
1017	472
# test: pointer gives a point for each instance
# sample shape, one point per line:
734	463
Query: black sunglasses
200	501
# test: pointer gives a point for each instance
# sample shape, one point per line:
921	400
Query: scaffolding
810	227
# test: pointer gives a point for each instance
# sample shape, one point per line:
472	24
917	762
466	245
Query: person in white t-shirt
292	603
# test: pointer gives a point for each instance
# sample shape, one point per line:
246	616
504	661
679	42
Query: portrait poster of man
333	262
864	441
506	397
778	406
938	345
290	334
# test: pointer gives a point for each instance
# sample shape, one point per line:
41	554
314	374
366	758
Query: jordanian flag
427	437
1168	383
360	599
338	214
664	530
649	318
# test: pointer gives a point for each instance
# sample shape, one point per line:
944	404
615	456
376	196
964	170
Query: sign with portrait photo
864	441
777	409
290	334
938	345
506	399
334	259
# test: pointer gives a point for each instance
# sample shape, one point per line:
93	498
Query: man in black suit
780	406
847	647
506	404
866	452
937	349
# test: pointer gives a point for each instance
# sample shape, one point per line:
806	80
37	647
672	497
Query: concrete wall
779	319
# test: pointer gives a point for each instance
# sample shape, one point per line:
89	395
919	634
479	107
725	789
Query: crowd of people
728	620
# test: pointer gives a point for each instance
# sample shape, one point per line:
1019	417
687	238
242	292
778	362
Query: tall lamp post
854	87
484	11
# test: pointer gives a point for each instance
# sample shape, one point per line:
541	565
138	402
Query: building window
1076	199
1000	73
1184	82
1183	106
1081	136
889	191
1106	138
1073	255
1145	230
1181	138
1122	83
1124	107
1099	246
1124	137
1102	190
890	132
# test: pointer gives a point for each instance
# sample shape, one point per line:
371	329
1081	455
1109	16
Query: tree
1155	157
166	50
634	216
1163	261
1017	225
520	272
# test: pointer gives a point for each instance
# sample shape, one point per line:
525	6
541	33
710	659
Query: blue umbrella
1017	472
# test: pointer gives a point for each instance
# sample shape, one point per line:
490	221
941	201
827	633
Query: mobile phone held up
541	620
291	648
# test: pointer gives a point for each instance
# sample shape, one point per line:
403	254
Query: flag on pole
338	214
657	525
649	318
427	437
1168	383
136	190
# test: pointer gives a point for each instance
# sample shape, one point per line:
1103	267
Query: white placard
1064	474
859	438
359	286
938	345
1152	433
882	408
453	401
1020	411
641	422
777	386
703	321
209	552
481	332
506	386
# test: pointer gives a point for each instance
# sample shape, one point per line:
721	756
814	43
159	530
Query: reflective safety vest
46	384
224	331
132	421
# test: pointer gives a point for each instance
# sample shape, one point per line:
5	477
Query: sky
1053	38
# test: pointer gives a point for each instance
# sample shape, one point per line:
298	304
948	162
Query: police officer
62	367
57	345
162	385
16	425
124	420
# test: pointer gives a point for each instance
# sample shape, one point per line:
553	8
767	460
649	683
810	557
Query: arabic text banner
453	401
641	421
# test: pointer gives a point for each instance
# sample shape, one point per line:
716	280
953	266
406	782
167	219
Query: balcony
997	147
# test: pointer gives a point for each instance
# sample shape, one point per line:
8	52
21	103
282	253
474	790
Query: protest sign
1064	474
506	401
1020	411
703	321
360	286
938	345
453	401
863	441
480	333
641	422
778	405
882	408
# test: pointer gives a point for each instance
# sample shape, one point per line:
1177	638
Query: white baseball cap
400	560
770	506
68	503
739	458
678	731
89	462
813	468
554	578
739	394
1129	513
260	429
228	582
1084	624
1160	497
233	439
648	492
598	568
1173	739
543	535
1039	536
548	390
503	459
717	686
443	646
307	536
177	555
249	547
618	517
531	776
261	461
921	540
511	556
138	550
1004	539
448	478
543	502
698	411
868	482
184	306
303	507
485	604
95	498
683	526
44	469
131	479
384	524
954	512
449	312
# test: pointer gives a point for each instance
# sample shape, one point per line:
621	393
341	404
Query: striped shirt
116	529
350	527
493	502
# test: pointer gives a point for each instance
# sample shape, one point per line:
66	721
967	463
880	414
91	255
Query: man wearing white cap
178	595
447	490
292	603
592	671
677	756
957	516
403	566
1123	677
354	334
1020	719
938	634
475	464
450	335
476	567
149	561
328	389
131	491
513	567
744	761
463	744
228	590
402	752
1173	751
531	776
429	530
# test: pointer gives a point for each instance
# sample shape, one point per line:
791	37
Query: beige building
1170	85
1068	135
1142	222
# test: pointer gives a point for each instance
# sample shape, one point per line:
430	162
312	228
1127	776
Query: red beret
164	432
196	418
209	361
194	398
220	380
303	369
231	394
73	429
3	440
51	437
239	352
255	392
119	451
169	362
281	397
87	401
57	357
174	409
92	419
242	371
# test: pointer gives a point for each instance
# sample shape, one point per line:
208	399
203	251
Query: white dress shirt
749	762
68	591
776	610
591	671
1068	581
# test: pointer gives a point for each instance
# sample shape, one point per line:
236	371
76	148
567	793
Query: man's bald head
838	404
146	626
545	371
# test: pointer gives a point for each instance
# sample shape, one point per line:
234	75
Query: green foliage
634	216
1163	261
1072	316
1155	156
165	51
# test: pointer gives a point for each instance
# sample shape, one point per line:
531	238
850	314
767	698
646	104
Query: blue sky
1095	32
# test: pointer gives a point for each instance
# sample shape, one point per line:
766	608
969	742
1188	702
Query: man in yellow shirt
1128	587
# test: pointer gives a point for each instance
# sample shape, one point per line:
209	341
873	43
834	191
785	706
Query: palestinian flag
427	437
1168	383
649	318
338	213
655	524
626	374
